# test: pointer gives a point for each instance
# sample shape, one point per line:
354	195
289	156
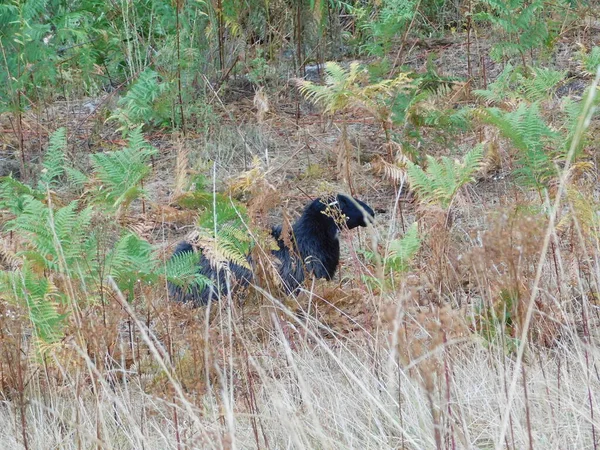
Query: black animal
316	250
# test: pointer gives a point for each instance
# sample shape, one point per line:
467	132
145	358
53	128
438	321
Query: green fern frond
52	237
54	160
521	21
131	261
499	90
41	299
346	88
590	60
235	243
539	84
530	134
402	251
76	178
14	193
122	171
143	103
228	245
222	210
182	270
442	179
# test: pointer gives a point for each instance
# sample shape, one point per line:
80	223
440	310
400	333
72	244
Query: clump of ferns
436	187
352	88
430	103
68	251
119	175
222	235
393	262
225	229
541	147
149	100
589	59
425	113
515	85
440	181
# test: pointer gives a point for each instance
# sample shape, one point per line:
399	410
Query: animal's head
342	210
357	213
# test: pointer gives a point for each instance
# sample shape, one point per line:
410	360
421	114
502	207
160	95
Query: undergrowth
466	317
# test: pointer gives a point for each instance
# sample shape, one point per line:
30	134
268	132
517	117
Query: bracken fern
441	180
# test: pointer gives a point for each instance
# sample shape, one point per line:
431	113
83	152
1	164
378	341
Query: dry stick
226	74
252	404
405	36
19	130
221	37
469	22
527	413
299	58
176	423
582	125
178	37
483	72
22	406
448	394
586	334
548	395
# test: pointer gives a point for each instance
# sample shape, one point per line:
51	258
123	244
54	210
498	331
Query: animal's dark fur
316	250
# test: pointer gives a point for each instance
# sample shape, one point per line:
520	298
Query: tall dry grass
489	342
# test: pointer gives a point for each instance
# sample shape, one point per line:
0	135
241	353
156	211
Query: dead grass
325	394
429	364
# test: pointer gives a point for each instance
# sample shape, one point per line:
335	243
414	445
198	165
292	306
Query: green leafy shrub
512	84
121	172
590	61
441	180
522	23
380	25
148	101
397	260
530	134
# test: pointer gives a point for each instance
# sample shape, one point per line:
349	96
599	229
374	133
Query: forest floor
342	365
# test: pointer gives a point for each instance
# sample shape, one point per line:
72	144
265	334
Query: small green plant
121	172
398	259
182	271
441	180
590	60
541	148
402	251
148	101
512	84
530	134
424	105
43	301
496	323
521	21
66	252
350	88
222	232
381	27
345	89
259	70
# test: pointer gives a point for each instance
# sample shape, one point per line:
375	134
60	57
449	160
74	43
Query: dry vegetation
487	337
